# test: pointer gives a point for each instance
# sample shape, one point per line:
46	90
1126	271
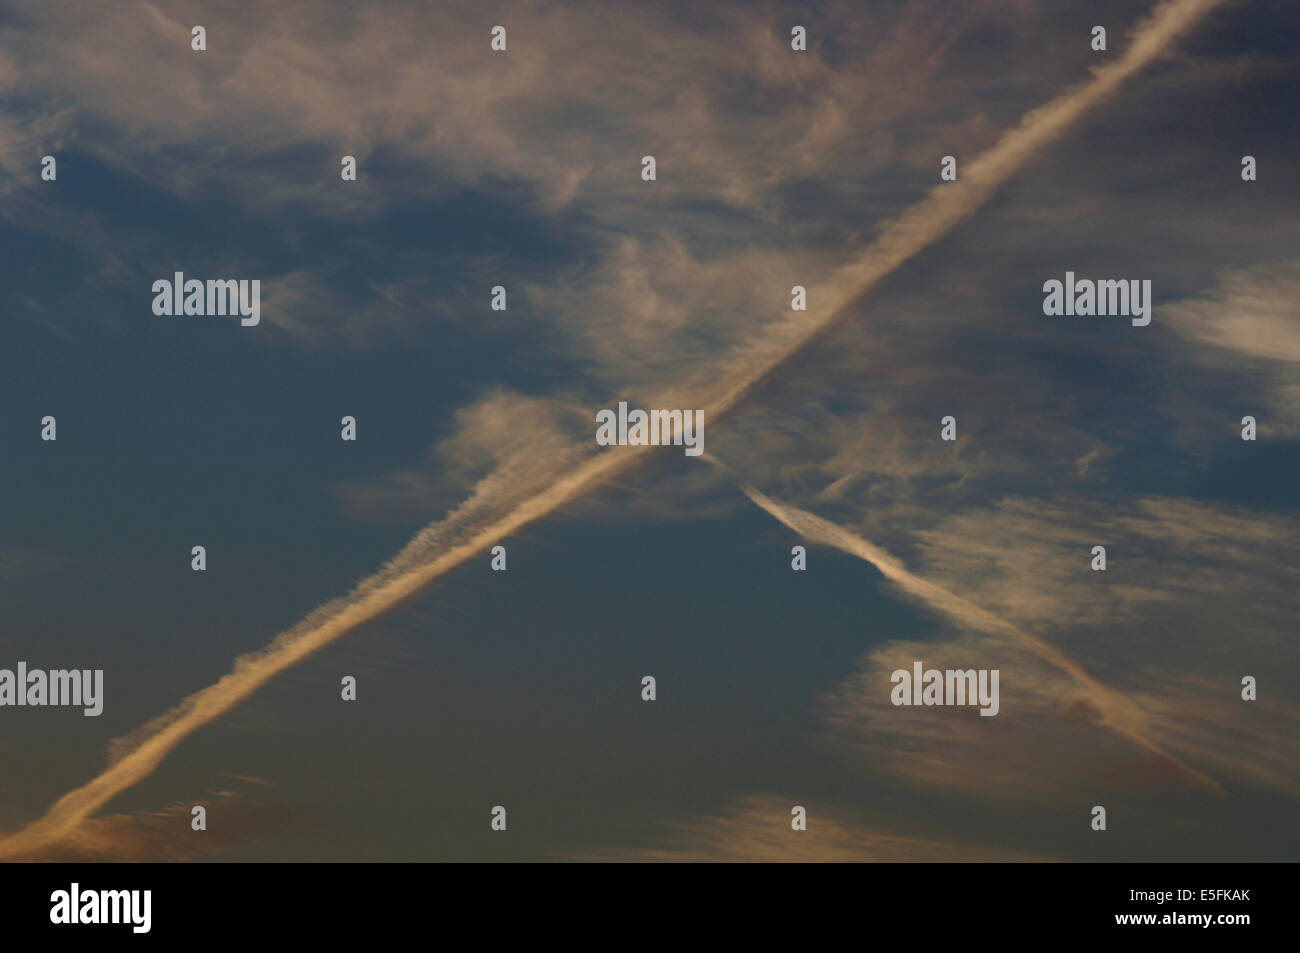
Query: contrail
1118	712
477	524
370	599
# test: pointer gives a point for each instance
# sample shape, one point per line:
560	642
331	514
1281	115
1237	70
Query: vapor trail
1117	711
498	508
369	600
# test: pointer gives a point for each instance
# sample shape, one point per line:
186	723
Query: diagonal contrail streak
1118	712
498	508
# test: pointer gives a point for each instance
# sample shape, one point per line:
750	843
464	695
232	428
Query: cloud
1246	330
166	835
1105	705
406	83
1195	596
503	435
757	829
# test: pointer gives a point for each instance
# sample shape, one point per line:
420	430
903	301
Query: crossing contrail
499	507
1118	712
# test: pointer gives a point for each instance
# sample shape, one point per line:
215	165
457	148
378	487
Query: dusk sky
475	427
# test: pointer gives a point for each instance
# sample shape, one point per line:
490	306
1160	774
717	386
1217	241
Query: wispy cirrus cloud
757	829
1162	627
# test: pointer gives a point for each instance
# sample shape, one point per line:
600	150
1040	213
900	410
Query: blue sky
775	168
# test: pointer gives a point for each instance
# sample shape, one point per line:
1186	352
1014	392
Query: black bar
934	905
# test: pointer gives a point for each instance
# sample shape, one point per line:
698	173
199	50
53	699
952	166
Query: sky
475	427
